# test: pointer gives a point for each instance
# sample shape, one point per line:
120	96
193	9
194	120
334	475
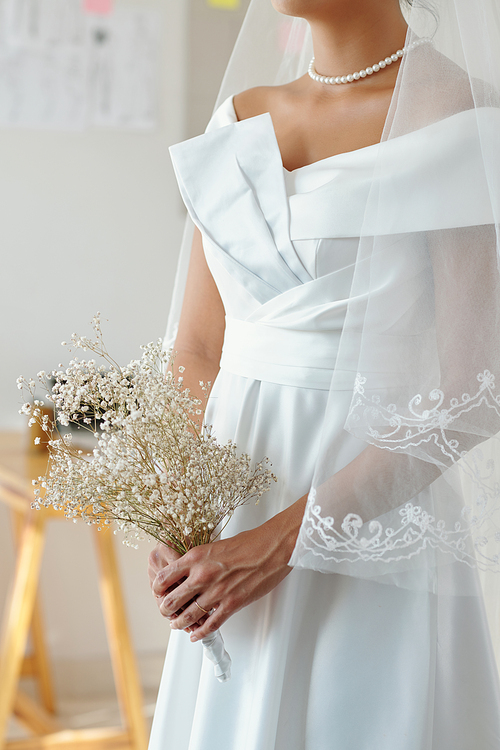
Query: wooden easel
18	466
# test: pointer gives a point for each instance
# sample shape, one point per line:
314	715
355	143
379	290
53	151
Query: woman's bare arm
198	345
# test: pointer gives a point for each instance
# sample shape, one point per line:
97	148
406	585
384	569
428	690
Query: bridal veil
420	348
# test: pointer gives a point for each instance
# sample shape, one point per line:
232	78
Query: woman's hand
226	575
159	559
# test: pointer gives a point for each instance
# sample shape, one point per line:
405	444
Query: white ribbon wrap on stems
214	649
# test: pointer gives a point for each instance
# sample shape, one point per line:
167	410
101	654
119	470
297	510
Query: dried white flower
153	470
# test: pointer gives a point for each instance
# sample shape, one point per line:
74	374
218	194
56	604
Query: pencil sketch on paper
62	68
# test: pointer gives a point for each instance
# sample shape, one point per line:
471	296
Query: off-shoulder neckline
355	152
318	162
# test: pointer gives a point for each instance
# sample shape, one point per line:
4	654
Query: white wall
88	222
212	33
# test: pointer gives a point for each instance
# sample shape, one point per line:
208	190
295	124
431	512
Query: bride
343	297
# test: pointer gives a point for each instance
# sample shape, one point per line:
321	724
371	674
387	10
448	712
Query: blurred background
92	94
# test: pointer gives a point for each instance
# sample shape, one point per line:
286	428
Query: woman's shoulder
253	102
443	89
250	103
261	99
242	106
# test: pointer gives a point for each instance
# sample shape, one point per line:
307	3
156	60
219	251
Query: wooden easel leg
120	643
41	671
33	716
19	612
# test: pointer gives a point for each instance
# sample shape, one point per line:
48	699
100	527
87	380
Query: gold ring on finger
206	611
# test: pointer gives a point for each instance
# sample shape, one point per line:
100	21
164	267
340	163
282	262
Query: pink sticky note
102	7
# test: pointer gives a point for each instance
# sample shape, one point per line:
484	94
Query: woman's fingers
160	557
212	623
189	616
170	576
177	599
188	567
183	581
177	590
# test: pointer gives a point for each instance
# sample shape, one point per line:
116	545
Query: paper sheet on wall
63	68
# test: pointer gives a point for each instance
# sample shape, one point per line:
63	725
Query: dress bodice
258	213
282	245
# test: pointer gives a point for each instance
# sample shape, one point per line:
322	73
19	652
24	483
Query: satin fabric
325	661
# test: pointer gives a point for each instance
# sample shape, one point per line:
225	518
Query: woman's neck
349	35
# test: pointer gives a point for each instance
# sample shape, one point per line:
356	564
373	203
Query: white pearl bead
367	71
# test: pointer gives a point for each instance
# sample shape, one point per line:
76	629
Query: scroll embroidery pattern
474	533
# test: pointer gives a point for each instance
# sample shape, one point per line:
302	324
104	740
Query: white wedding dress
325	661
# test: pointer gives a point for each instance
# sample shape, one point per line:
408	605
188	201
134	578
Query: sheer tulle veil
420	348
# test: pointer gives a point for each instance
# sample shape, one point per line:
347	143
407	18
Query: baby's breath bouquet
154	470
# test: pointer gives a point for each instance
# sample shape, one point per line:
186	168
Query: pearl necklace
366	71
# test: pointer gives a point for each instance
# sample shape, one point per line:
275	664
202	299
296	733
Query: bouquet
154	470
